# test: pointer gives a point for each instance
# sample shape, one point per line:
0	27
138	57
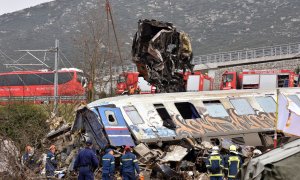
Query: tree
94	44
90	43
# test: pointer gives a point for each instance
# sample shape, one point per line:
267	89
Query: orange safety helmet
28	148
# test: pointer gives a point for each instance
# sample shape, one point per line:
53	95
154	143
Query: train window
295	99
64	77
46	79
34	79
121	79
133	114
3	80
31	79
110	116
11	80
267	104
187	110
163	113
215	141
242	106
215	108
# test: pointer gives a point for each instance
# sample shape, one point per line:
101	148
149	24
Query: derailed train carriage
170	132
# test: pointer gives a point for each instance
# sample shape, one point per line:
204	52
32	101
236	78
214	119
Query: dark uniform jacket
108	164
86	158
51	164
29	160
129	163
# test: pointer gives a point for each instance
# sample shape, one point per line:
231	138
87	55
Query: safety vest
233	165
215	165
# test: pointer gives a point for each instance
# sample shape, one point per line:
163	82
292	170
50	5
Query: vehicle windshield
227	78
121	79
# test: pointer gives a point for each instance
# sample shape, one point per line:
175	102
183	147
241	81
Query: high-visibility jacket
214	164
233	164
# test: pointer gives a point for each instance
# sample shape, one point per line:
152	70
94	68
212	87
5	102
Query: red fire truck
259	79
198	81
131	83
38	86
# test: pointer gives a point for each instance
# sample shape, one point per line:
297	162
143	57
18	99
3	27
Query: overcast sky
7	6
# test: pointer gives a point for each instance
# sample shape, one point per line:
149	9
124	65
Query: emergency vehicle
259	79
130	81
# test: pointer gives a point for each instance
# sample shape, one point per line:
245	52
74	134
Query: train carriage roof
204	95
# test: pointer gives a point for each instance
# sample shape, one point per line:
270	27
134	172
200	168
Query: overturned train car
166	129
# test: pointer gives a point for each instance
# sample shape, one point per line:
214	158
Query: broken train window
163	113
215	108
215	141
111	119
267	104
133	114
187	110
242	106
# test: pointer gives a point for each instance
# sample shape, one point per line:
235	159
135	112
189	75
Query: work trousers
128	176
106	176
85	173
216	177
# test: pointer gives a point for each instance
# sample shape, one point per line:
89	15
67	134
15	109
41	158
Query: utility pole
42	63
55	110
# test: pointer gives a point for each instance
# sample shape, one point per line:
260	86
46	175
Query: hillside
214	26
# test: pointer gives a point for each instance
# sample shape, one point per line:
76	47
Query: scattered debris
279	163
176	154
10	164
161	53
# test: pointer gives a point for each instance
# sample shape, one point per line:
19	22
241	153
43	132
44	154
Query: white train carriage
244	116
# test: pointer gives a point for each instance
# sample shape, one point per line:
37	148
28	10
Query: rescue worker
108	165
86	162
233	163
28	158
51	163
256	152
138	90
214	164
131	90
129	165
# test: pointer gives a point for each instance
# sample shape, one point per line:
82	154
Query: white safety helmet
215	150
256	152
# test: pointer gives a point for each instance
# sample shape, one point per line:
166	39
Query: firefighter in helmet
233	163
214	164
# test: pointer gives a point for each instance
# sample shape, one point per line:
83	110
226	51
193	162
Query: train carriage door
115	126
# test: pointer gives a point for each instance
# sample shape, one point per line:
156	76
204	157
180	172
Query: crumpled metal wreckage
180	161
162	54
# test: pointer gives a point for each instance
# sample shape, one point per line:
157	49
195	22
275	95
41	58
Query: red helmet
127	148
